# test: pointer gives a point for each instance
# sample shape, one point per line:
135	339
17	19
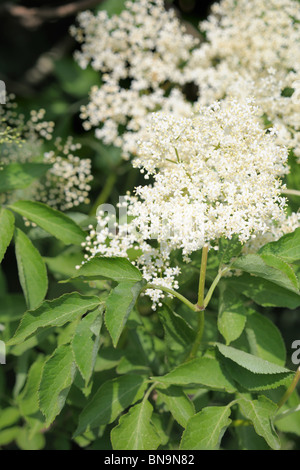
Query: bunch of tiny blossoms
253	49
141	55
147	59
219	176
67	183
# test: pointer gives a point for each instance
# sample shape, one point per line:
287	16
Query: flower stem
290	390
174	293
105	193
200	305
198	338
291	192
200	302
214	285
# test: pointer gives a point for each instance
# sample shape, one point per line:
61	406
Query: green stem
200	302
175	293
290	390
291	192
200	305
105	193
286	413
214	285
198	338
150	389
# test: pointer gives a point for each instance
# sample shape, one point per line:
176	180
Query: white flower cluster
141	54
250	49
67	183
253	49
219	175
217	160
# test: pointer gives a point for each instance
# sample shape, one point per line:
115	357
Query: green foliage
135	430
119	305
229	249
84	347
30	266
206	371
110	400
7	223
232	315
269	267
54	313
177	402
21	175
261	413
54	386
89	364
205	430
116	269
51	220
126	371
287	247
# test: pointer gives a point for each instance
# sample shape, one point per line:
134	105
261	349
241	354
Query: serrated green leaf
119	304
180	406
271	268
250	362
32	270
161	422
265	339
278	263
7	224
205	429
28	398
264	292
287	247
114	268
57	378
86	342
110	400
178	334
21	175
54	313
261	412
51	220
135	430
232	314
254	382
205	371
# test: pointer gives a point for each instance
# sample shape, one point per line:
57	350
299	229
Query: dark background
25	39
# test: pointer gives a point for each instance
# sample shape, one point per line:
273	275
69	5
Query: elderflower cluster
67	182
147	60
253	49
141	54
219	175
